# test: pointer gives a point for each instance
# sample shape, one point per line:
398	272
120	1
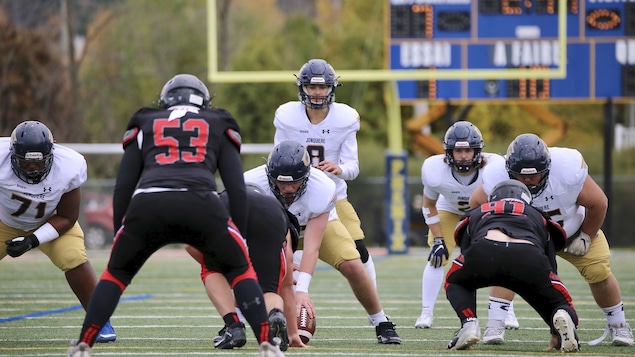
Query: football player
41	196
561	186
327	130
166	193
448	181
310	195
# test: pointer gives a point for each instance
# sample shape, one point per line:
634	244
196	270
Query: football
306	325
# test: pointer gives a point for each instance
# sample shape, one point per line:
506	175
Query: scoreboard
514	34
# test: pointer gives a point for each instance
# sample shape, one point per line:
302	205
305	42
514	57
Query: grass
165	312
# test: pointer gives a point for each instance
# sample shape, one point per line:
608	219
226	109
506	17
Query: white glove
578	245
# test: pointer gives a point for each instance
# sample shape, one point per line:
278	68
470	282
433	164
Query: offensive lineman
310	195
41	196
561	187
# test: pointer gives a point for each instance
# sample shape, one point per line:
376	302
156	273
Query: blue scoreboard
514	34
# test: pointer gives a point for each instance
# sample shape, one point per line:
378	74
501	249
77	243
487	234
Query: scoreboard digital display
514	34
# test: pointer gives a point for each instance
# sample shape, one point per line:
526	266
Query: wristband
46	233
303	281
432	219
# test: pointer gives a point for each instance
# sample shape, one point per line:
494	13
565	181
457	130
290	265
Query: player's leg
68	253
349	218
338	250
432	278
595	268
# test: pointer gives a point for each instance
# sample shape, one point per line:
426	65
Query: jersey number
25	203
198	141
316	153
504	207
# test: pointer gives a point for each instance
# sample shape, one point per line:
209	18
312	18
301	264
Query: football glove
578	245
20	245
437	252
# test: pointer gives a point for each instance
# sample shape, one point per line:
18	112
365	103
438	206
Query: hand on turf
20	245
578	245
438	251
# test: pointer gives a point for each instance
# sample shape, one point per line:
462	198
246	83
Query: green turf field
165	312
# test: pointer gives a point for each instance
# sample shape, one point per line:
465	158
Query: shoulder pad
234	136
129	136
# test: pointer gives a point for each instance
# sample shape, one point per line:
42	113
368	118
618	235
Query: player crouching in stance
508	242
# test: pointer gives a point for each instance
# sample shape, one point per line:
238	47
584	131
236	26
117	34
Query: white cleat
270	349
79	350
494	333
621	335
511	322
425	320
563	323
468	336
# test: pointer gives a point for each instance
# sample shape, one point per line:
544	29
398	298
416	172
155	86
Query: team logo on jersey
326	131
47	189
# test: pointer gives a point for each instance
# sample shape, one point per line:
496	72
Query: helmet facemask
528	155
316	72
463	135
288	163
31	151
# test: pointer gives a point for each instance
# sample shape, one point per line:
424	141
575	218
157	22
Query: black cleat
278	326
231	336
386	333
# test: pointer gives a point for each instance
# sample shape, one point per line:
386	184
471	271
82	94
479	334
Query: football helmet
529	155
510	189
316	71
31	151
184	89
288	162
460	135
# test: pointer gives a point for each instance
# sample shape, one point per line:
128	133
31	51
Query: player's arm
349	158
595	201
130	169
288	297
478	197
312	241
431	216
231	171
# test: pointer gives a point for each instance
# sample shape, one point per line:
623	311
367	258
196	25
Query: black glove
438	251
20	245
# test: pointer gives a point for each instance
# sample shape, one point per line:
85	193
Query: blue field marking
66	309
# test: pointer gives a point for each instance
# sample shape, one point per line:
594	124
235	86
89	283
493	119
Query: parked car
97	222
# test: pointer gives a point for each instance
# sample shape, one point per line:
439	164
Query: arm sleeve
231	171
128	175
349	159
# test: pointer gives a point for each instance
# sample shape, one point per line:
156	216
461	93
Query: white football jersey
566	177
28	206
318	198
439	183
333	139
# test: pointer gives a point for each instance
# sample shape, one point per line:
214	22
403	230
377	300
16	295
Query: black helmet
529	155
460	135
31	142
316	71
510	189
288	162
184	89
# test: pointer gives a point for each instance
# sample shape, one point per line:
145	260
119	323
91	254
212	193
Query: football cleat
494	332
425	320
386	333
278	326
621	335
563	323
468	336
79	350
106	334
267	349
231	336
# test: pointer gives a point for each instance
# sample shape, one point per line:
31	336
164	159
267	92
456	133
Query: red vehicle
97	224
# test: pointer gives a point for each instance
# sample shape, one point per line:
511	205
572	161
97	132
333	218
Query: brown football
306	325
